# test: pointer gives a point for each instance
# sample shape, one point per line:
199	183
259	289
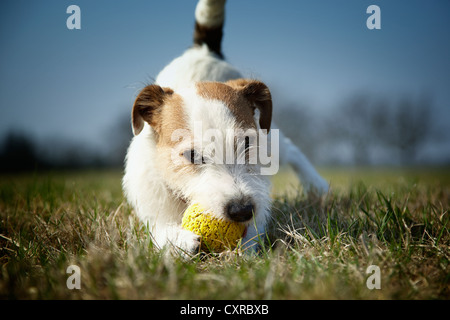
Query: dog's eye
194	157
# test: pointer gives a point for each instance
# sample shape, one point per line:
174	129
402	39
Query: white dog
197	133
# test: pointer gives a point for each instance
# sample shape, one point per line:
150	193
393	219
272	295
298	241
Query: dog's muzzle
239	212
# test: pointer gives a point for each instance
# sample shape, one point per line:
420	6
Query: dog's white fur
160	191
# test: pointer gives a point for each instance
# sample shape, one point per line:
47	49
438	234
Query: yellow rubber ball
216	234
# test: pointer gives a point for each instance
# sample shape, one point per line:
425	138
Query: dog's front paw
188	242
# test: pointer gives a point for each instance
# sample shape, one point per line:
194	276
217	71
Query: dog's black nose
239	212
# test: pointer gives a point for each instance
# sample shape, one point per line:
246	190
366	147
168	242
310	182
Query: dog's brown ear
259	96
148	106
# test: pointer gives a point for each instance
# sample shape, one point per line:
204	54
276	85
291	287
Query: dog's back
204	60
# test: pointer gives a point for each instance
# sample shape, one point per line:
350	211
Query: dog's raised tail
209	20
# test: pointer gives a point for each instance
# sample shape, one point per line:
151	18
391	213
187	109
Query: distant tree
120	137
18	153
371	123
350	123
404	126
298	124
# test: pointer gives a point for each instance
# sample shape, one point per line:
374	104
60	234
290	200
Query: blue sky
75	84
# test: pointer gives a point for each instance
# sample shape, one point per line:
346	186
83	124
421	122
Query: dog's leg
311	180
175	237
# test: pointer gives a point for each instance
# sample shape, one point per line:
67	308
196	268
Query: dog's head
207	138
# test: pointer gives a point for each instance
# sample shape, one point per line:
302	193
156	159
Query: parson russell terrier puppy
202	134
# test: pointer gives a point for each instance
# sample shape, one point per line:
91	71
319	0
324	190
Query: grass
314	249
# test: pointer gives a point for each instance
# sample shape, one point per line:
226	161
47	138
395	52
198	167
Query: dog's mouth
245	232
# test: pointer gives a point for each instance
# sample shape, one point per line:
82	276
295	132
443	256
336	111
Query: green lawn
397	220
